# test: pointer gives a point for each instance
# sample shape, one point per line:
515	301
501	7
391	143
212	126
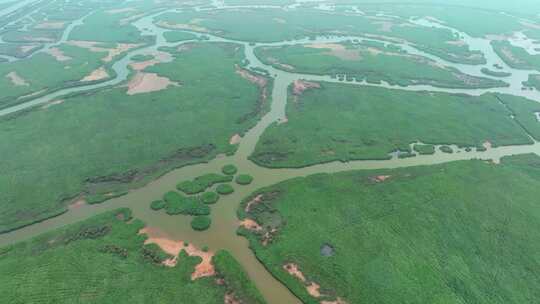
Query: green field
104	142
371	61
270	25
347	122
103	260
462	232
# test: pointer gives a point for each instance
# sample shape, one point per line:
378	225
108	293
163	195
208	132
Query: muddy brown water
222	233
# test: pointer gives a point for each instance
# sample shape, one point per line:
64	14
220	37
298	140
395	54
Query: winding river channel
222	234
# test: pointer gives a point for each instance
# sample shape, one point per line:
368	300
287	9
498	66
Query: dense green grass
224	189
424	149
270	25
229	169
462	232
103	260
244	179
107	141
210	197
372	62
347	122
66	73
516	57
203	182
237	280
201	222
176	36
176	203
158	205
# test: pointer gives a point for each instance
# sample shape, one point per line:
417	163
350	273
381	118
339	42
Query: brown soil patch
337	50
77	204
293	270
93	46
235	139
250	224
172	247
299	86
97	74
230	298
253	78
254	201
337	301
16	79
313	290
380	178
312	287
58	54
51	25
148	82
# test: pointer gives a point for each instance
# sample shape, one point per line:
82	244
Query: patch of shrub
179	204
203	182
424	149
229	169
446	149
209	197
158	205
244	179
225	189
153	254
201	222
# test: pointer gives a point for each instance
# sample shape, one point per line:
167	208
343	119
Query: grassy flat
103	260
462	232
369	61
108	141
346	122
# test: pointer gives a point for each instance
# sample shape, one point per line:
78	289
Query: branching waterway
222	234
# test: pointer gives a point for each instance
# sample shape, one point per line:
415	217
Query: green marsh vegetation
20	79
330	123
473	226
176	36
424	149
201	222
244	179
446	149
203	182
533	81
229	169
103	260
88	123
371	61
224	189
516	57
495	73
176	203
158	205
271	25
210	197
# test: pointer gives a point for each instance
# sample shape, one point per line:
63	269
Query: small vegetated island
414	235
108	259
371	61
328	122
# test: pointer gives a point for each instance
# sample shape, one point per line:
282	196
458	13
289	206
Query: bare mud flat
58	54
97	74
50	25
16	79
93	46
337	50
148	82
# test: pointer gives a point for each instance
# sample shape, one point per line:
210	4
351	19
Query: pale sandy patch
37	39
284	66
16	79
381	178
384	26
93	46
155	236
497	37
51	25
283	120
148	82
337	50
530	25
293	270
33	94
280	20
254	201
53	103
337	301
299	86
159	57
183	26
95	75
250	224
487	144
235	139
58	54
312	287
313	290
457	42
28	48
